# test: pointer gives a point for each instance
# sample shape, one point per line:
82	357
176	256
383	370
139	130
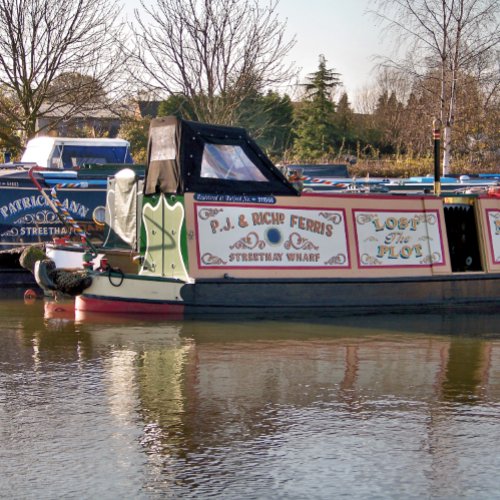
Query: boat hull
12	275
140	295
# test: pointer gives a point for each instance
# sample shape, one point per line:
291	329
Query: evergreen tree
177	105
315	117
345	123
322	83
415	132
268	118
278	137
136	132
388	120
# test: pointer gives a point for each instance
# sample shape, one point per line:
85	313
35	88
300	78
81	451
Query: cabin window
162	143
70	156
225	161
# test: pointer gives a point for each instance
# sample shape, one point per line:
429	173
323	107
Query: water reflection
300	408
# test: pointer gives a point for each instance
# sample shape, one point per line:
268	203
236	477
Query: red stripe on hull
89	304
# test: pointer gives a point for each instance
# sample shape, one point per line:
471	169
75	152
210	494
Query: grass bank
414	167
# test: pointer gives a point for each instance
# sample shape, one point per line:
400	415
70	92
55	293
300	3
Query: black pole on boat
436	135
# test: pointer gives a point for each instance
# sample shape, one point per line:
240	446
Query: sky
341	30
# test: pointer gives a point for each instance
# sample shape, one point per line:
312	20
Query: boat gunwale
456	276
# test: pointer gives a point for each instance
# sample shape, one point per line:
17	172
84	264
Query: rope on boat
68	281
72	185
67	216
71	222
61	212
326	182
42	192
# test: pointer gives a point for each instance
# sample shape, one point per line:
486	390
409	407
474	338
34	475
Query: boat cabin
70	153
214	205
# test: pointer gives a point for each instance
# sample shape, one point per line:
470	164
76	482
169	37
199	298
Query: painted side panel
163	222
316	236
25	216
398	239
489	217
152	227
278	238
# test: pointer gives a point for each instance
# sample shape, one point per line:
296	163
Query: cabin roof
80	141
186	156
39	150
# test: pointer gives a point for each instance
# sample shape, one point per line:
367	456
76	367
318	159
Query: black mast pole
436	134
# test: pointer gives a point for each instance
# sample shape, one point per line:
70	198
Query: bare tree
393	81
448	38
43	40
214	52
366	99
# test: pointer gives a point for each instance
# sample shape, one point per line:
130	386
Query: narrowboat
77	169
221	230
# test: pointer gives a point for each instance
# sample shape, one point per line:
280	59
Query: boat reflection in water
364	406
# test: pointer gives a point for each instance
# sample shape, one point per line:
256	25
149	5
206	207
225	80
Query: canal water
356	407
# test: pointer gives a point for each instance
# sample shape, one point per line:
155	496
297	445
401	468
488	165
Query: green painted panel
163	237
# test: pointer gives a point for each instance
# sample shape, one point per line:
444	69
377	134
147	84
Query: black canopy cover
186	156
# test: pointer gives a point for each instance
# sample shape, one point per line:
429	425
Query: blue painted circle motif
273	236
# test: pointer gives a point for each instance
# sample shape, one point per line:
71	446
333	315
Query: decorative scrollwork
429	219
370	260
365	218
431	258
250	241
337	260
331	217
13	231
207	213
298	242
40	217
209	259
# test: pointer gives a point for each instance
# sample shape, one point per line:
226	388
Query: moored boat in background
76	171
334	178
